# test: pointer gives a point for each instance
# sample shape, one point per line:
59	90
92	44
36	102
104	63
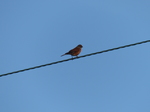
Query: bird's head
80	46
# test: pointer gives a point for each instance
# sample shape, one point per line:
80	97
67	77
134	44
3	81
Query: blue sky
35	32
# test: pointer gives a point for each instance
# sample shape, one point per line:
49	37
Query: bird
75	51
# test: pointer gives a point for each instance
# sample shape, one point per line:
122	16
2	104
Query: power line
129	45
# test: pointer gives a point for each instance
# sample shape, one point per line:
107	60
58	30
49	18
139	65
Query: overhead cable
116	48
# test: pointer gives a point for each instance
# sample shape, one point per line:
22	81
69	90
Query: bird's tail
63	54
66	53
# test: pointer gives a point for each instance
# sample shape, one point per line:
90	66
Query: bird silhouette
75	51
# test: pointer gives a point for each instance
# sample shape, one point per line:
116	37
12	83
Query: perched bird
75	51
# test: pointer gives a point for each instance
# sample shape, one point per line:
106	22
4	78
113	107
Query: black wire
74	58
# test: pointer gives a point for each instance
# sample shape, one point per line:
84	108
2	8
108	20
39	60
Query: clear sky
35	32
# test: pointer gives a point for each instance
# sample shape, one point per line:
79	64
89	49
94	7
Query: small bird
75	51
